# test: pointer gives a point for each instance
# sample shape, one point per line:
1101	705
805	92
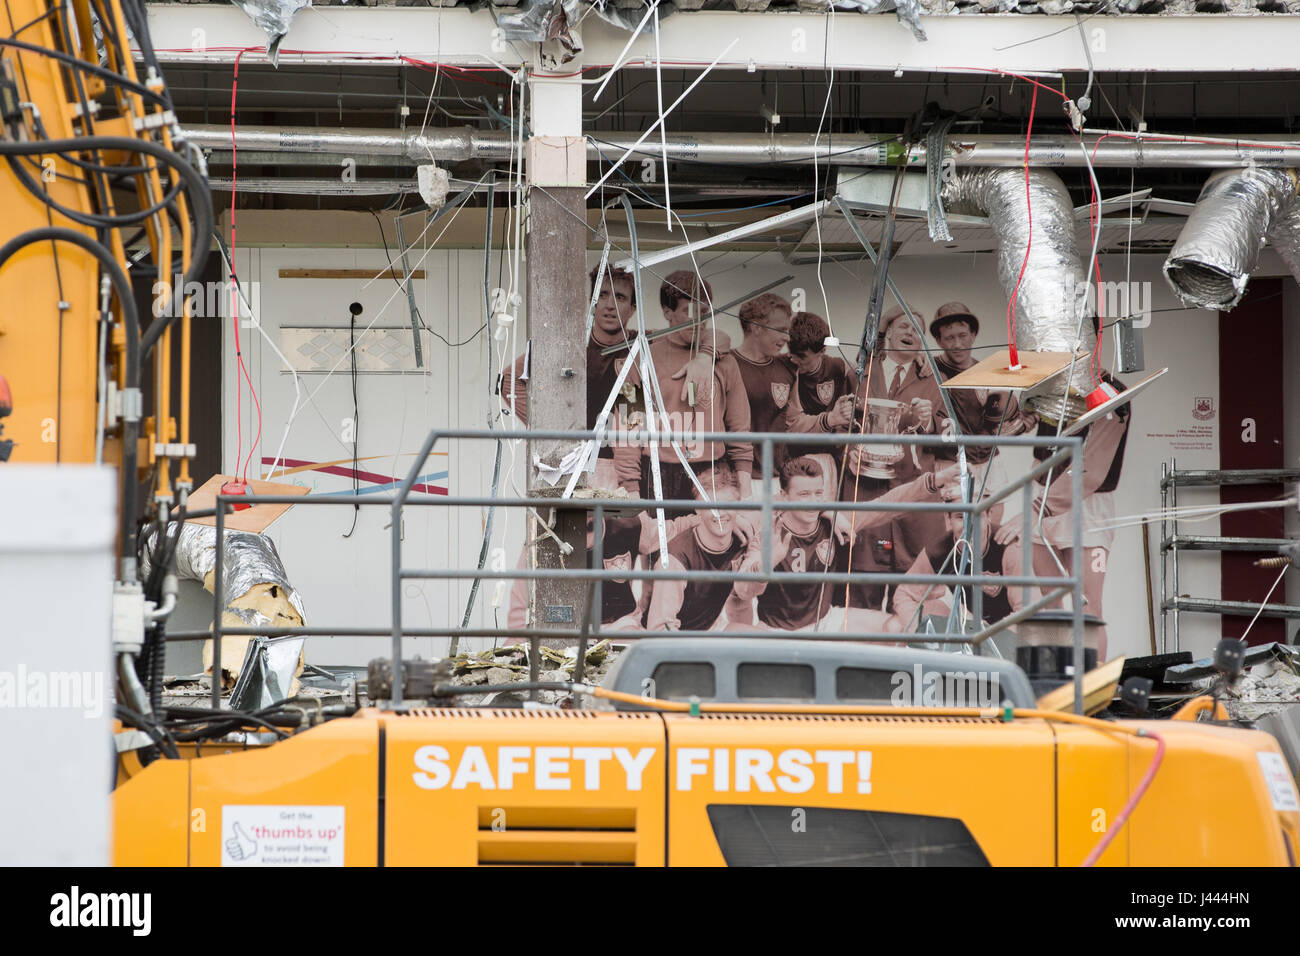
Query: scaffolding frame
1064	452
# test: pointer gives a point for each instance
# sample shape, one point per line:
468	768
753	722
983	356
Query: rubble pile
1264	690
509	665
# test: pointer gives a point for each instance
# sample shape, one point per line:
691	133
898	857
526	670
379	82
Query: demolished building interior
381	382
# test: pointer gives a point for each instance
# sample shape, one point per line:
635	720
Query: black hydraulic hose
131	319
128	716
200	199
90	218
80	64
157	665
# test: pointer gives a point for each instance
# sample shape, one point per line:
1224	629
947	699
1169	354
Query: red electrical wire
1011	306
1133	801
234	301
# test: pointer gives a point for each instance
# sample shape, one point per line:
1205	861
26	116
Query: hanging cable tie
595	291
591	448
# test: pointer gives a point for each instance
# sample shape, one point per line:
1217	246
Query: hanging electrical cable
354	309
240	486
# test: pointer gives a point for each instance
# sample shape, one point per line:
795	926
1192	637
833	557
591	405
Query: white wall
344	581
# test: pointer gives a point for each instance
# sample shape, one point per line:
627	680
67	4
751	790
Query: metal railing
1067	453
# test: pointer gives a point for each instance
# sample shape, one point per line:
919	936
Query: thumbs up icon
240	846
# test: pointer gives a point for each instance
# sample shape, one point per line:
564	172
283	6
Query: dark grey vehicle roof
639	662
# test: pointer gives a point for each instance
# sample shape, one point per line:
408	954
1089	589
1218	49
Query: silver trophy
878	461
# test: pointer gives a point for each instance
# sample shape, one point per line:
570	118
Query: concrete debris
509	665
1265	690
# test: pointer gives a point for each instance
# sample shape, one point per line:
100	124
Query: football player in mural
772	379
826	383
1053	526
711	544
952	555
612	324
802	542
717	404
899	373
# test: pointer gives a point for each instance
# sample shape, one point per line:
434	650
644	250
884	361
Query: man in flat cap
978	411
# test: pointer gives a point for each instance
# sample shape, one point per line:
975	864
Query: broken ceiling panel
540	20
274	17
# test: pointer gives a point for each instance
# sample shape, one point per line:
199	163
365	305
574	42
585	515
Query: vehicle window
767	681
864	684
678	680
759	835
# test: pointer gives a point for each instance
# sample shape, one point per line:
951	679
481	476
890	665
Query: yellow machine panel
151	818
462	786
512	786
1209	803
48	326
929	778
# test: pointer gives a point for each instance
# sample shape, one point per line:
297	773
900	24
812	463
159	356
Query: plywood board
1123	398
1098	690
257	518
994	372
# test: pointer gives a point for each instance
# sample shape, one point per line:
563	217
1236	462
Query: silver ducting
1219	247
1053	311
248	560
459	144
1285	237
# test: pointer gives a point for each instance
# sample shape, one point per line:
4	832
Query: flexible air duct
1285	236
1219	247
1052	305
256	589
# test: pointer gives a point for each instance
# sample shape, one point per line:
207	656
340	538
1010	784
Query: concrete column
556	251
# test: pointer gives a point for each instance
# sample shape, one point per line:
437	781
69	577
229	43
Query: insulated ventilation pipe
1052	306
1237	212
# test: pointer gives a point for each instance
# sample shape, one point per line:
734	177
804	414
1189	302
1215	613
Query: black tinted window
863	683
753	835
767	681
675	680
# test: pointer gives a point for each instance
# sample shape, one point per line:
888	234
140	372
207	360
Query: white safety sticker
281	836
1278	778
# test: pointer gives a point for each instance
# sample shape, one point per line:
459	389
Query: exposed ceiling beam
1021	43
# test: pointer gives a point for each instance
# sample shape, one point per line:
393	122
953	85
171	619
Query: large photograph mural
781	377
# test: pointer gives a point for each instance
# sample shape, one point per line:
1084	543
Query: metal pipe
459	144
725	577
134	690
1076	571
571	634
